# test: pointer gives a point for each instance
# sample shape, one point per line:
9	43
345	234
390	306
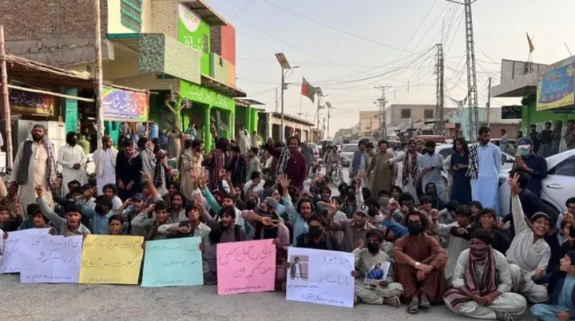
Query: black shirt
328	243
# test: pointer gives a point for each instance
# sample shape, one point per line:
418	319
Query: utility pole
488	102
6	102
329	107
471	72
98	76
440	95
319	94
382	103
277	101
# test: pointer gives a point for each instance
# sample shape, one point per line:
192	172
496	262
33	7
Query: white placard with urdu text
11	259
320	277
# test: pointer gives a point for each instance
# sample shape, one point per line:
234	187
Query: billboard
557	87
124	105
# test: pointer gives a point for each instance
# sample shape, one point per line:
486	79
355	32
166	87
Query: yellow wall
115	22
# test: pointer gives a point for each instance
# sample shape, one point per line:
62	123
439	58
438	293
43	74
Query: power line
241	10
295	47
329	26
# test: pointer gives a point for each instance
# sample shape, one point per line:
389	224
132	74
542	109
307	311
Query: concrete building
459	123
402	116
546	91
270	125
369	122
181	50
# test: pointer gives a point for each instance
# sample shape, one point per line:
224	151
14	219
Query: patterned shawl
478	255
283	161
51	175
409	168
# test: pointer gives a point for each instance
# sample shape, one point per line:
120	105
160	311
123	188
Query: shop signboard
125	105
557	87
29	103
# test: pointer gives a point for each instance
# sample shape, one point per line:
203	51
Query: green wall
198	39
531	116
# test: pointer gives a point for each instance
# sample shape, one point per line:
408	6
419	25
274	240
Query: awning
222	88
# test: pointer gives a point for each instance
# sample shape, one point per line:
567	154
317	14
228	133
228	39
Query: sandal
413	307
424	302
393	301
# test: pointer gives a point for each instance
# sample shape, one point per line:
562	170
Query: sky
347	48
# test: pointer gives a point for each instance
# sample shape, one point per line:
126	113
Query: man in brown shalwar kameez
420	261
382	174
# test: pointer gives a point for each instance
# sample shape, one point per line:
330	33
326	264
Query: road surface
57	302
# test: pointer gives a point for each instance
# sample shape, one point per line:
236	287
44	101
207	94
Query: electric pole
488	101
98	76
277	101
329	107
319	107
471	72
440	95
382	103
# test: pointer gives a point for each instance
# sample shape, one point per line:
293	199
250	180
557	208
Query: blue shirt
299	224
99	222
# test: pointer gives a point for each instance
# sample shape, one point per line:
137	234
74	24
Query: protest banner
245	267
175	262
320	277
11	260
50	259
111	259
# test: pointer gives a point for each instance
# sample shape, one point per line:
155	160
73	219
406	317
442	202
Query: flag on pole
307	90
531	46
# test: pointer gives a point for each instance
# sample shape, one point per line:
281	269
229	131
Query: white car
346	153
556	188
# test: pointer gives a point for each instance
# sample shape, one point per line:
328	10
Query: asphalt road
47	302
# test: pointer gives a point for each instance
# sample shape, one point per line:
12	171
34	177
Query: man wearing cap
528	255
530	163
353	229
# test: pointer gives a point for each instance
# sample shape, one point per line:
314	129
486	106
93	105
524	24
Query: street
56	302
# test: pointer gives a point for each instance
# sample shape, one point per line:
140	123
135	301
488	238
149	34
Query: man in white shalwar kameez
485	183
529	253
34	164
105	161
72	158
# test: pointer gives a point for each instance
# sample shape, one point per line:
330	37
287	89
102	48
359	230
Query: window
428	114
132	14
565	168
405	113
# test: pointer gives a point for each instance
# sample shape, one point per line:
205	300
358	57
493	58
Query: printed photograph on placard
377	273
299	267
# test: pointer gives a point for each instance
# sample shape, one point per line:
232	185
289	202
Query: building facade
183	52
369	122
403	116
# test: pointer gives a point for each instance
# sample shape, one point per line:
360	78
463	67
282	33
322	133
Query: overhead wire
329	26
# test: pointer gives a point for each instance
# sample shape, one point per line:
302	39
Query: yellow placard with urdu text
110	259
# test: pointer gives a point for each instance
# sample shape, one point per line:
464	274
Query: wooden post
6	102
98	75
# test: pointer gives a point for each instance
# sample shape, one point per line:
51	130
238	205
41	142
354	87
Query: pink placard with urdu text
245	267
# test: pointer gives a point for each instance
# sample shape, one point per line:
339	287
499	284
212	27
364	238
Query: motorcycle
336	175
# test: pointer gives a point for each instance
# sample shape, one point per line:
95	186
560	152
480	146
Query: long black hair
463	145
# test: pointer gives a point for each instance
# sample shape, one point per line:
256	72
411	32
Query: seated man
419	264
490	298
529	253
370	287
561	306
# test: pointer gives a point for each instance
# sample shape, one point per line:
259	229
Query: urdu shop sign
557	87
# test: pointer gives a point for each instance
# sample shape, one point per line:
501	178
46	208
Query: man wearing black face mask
371	262
316	237
72	158
420	261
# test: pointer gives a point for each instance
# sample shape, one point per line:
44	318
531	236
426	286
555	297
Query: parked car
346	154
511	145
556	188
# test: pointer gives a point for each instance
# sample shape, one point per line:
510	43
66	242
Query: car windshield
350	148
